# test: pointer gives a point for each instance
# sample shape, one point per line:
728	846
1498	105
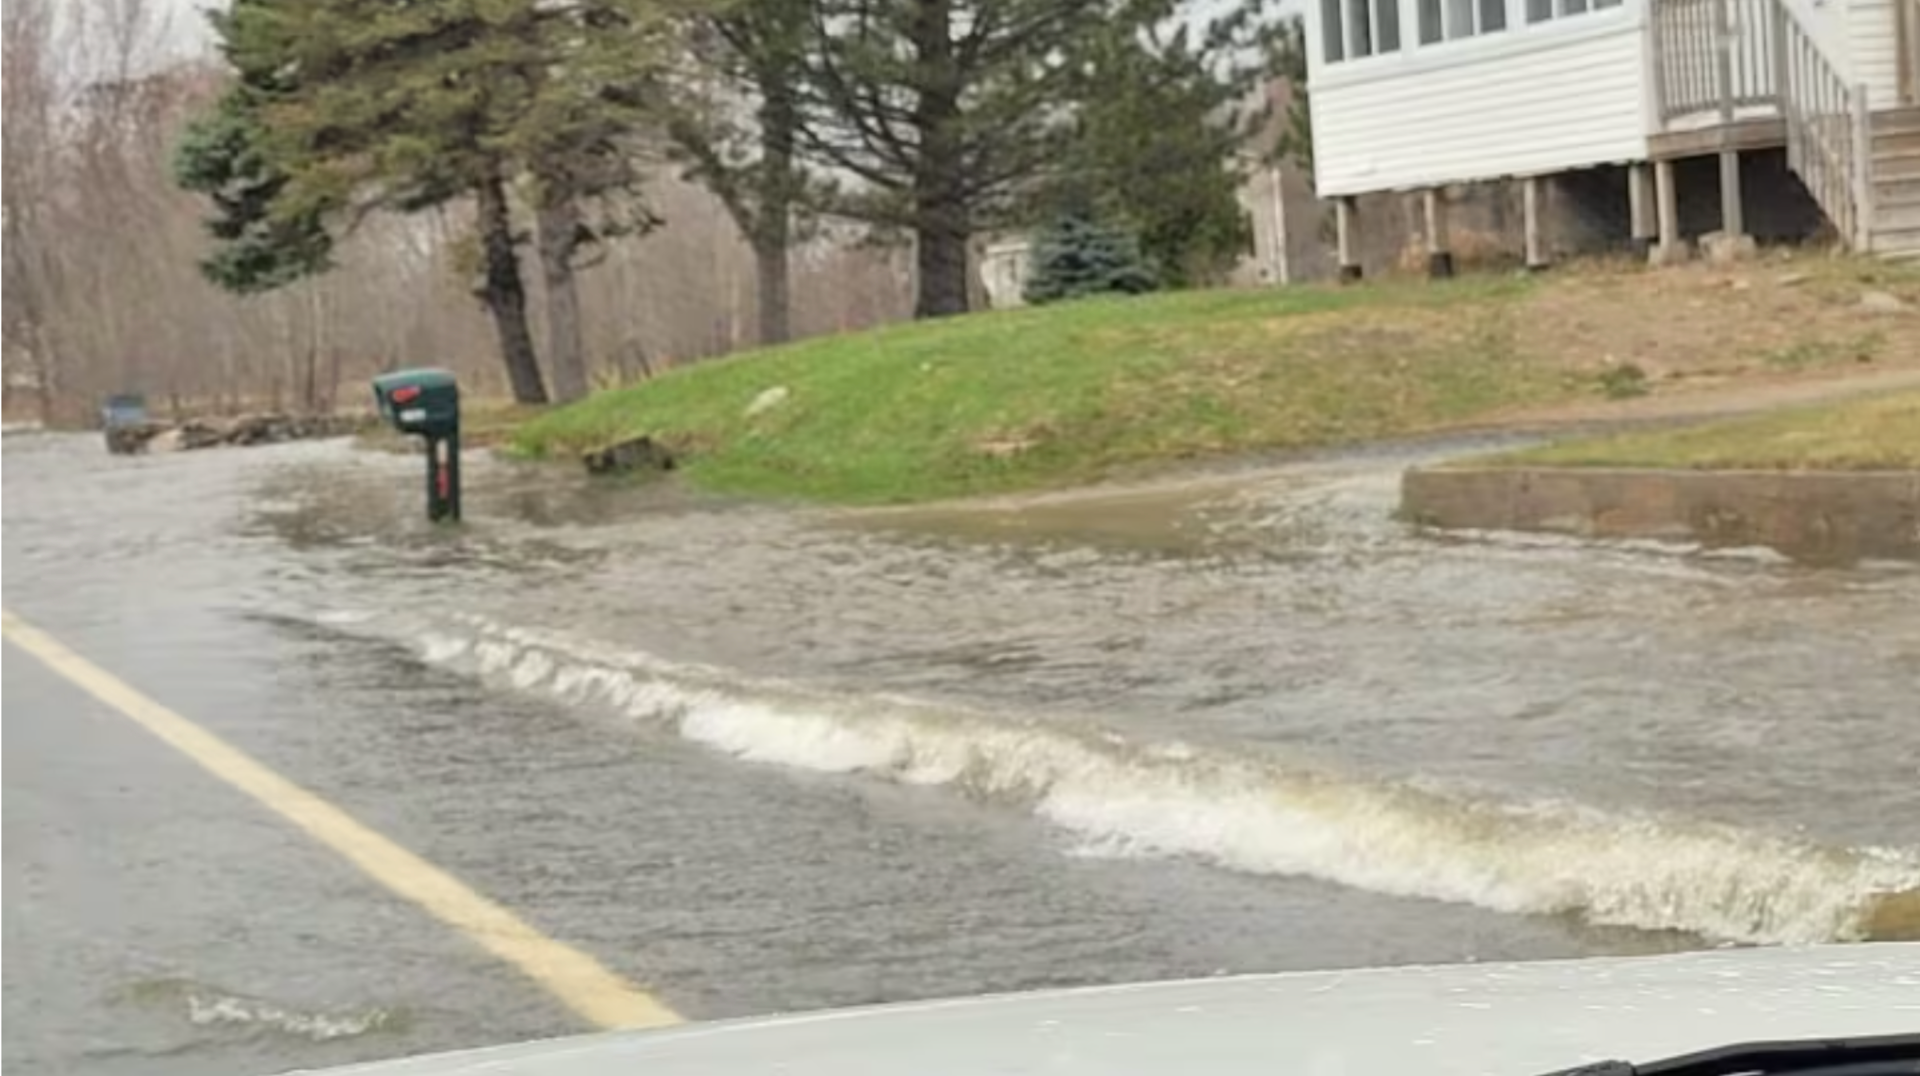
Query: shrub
1077	256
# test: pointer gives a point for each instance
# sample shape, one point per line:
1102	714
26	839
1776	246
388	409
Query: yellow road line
579	981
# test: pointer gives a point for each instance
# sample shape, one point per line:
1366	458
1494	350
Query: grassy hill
1065	394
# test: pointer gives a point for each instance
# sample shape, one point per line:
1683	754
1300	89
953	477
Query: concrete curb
1818	517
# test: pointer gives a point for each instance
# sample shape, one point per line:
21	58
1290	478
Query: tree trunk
333	379
505	294
772	235
940	263
316	327
566	354
772	290
941	216
45	374
229	377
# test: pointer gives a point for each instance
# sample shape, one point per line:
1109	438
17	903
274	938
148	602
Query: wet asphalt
159	922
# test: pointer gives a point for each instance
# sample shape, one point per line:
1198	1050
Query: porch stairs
1738	63
1894	231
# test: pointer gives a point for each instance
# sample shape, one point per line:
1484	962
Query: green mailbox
426	402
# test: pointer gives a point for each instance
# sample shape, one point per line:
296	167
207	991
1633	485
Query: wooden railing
1730	59
1829	132
1695	74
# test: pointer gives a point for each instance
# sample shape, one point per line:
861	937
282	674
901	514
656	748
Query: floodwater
1229	724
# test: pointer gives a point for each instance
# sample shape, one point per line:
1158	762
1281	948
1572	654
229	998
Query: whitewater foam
1245	813
204	1010
208	1006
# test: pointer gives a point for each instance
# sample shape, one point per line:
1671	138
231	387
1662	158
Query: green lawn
1877	433
1063	394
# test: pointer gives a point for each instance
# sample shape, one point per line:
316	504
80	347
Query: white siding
1873	50
1543	98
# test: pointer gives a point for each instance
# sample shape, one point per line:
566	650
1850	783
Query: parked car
1852	1009
120	412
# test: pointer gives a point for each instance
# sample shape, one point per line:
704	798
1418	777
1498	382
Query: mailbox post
426	403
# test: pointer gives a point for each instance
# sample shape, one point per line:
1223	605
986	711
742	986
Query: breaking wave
1246	813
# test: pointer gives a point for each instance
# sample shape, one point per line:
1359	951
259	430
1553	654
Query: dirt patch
1701	321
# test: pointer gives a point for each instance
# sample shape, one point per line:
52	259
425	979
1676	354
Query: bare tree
24	139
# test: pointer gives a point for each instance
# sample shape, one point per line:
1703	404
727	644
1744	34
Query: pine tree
1159	127
385	106
223	156
599	106
1077	256
743	144
946	111
220	157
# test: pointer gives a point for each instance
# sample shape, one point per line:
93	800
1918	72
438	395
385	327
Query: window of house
1359	28
1543	10
1333	40
1446	20
1351	29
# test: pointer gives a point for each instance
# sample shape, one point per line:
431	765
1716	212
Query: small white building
1415	95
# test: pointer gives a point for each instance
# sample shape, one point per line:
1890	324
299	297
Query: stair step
1896	240
1895	141
1896	167
1896	218
1896	121
1897	192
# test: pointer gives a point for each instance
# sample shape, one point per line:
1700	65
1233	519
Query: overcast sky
183	32
187	29
175	30
187	23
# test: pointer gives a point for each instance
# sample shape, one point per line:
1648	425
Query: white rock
767	400
1879	302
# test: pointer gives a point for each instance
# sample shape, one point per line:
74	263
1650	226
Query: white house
1415	95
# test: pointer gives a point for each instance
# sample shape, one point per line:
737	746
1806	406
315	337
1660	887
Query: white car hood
1512	1019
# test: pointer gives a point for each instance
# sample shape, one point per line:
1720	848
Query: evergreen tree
594	121
223	156
743	143
1159	126
406	106
401	106
946	111
1077	256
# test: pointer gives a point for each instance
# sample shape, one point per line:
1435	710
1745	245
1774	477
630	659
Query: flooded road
767	759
